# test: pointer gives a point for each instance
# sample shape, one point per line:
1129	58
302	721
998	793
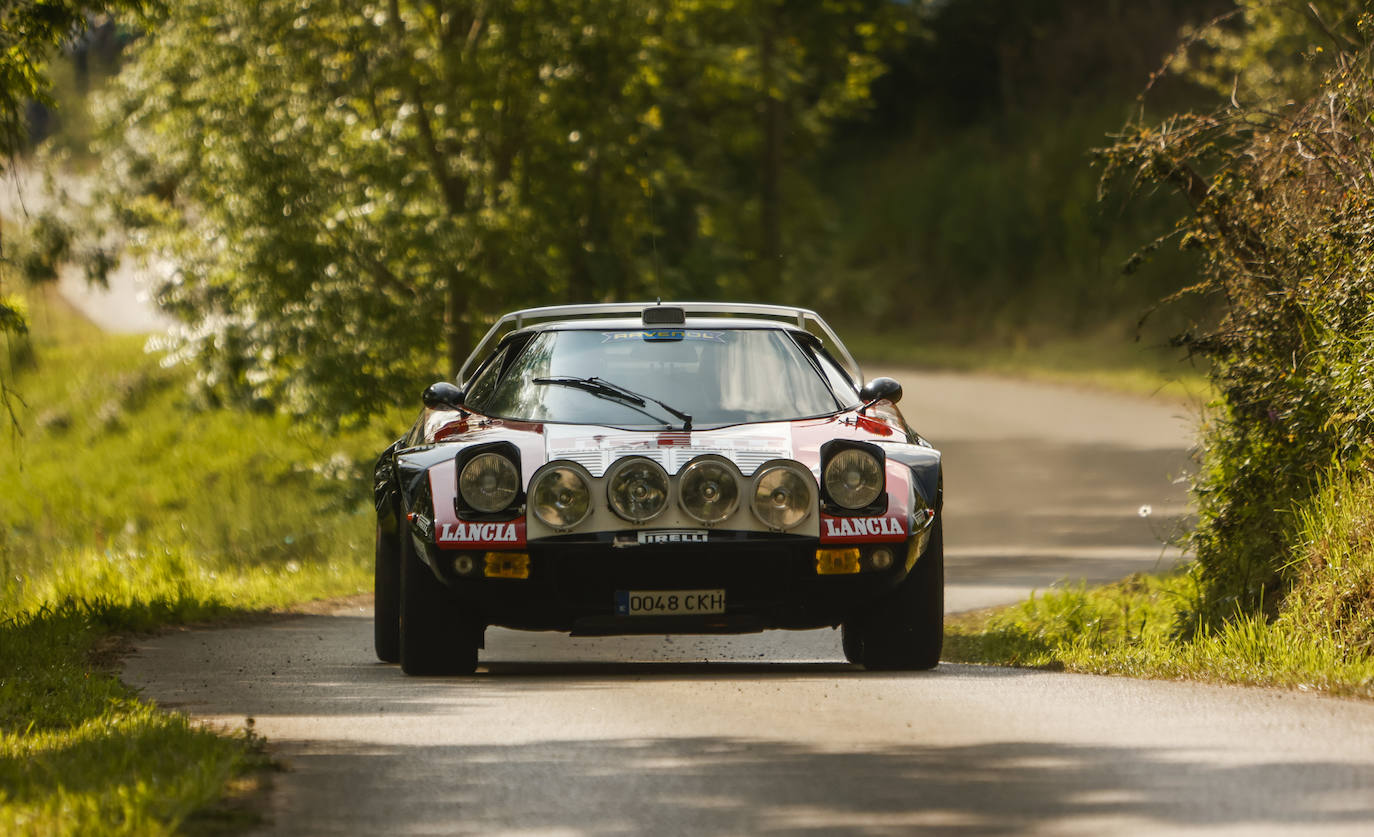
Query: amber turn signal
837	561
507	565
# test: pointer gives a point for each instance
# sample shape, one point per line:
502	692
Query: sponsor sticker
862	527
478	533
674	536
663	334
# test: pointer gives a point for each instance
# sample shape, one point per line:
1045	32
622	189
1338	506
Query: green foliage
1129	629
79	754
1270	50
116	461
44	246
966	209
347	194
1073	625
1333	591
1282	201
30	31
128	509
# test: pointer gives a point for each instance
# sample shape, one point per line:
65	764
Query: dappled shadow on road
319	666
706	785
574	670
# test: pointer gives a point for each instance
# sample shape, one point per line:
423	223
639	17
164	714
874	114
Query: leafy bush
119	469
1282	200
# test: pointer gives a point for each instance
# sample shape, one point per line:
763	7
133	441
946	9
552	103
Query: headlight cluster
637	489
708	491
489	482
560	497
782	497
853	478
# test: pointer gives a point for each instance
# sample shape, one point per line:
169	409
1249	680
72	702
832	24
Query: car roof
637	324
662	315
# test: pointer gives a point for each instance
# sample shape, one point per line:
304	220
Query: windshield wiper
606	389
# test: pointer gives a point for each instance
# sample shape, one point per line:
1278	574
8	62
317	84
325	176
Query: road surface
774	733
123	305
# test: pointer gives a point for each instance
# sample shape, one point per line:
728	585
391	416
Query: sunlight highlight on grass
126	507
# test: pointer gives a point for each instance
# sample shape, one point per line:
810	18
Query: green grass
127	506
1322	638
80	754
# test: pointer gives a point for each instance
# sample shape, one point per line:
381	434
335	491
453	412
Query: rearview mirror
443	396
881	389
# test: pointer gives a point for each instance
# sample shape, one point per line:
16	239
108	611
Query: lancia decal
477	533
862	527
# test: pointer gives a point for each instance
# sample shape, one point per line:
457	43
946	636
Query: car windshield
718	377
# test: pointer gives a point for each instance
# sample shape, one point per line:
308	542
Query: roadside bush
1334	593
1282	215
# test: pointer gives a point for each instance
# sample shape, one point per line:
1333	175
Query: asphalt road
774	733
123	305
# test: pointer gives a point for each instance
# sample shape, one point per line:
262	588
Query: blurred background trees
349	193
31	31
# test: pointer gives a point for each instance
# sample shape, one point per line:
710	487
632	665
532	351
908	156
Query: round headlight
560	498
782	497
853	478
637	489
489	482
707	490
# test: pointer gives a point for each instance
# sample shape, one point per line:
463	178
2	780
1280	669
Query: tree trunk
457	330
770	191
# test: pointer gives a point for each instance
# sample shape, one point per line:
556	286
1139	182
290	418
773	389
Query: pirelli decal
862	529
665	536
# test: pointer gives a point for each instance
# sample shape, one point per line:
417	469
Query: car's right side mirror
881	389
442	396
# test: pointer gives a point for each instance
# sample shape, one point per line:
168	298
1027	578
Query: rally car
659	468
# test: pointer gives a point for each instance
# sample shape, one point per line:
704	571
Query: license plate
669	602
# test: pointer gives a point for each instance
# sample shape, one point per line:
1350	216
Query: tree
1268	51
346	190
30	31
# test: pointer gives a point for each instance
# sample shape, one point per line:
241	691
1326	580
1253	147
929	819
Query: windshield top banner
664	334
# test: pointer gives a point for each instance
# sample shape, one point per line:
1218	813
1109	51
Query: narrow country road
774	733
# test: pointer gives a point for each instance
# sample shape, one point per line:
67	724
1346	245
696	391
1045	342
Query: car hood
748	446
596	448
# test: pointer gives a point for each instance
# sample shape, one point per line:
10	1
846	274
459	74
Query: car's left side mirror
443	396
881	389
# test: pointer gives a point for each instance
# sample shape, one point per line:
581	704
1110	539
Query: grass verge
126	506
1321	639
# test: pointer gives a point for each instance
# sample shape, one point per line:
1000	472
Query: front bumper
770	581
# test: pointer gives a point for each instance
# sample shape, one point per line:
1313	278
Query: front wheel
852	641
905	630
436	638
386	596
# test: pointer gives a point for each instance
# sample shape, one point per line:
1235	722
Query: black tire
436	639
386	597
852	641
905	631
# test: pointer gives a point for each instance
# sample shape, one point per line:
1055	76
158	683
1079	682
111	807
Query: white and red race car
659	468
